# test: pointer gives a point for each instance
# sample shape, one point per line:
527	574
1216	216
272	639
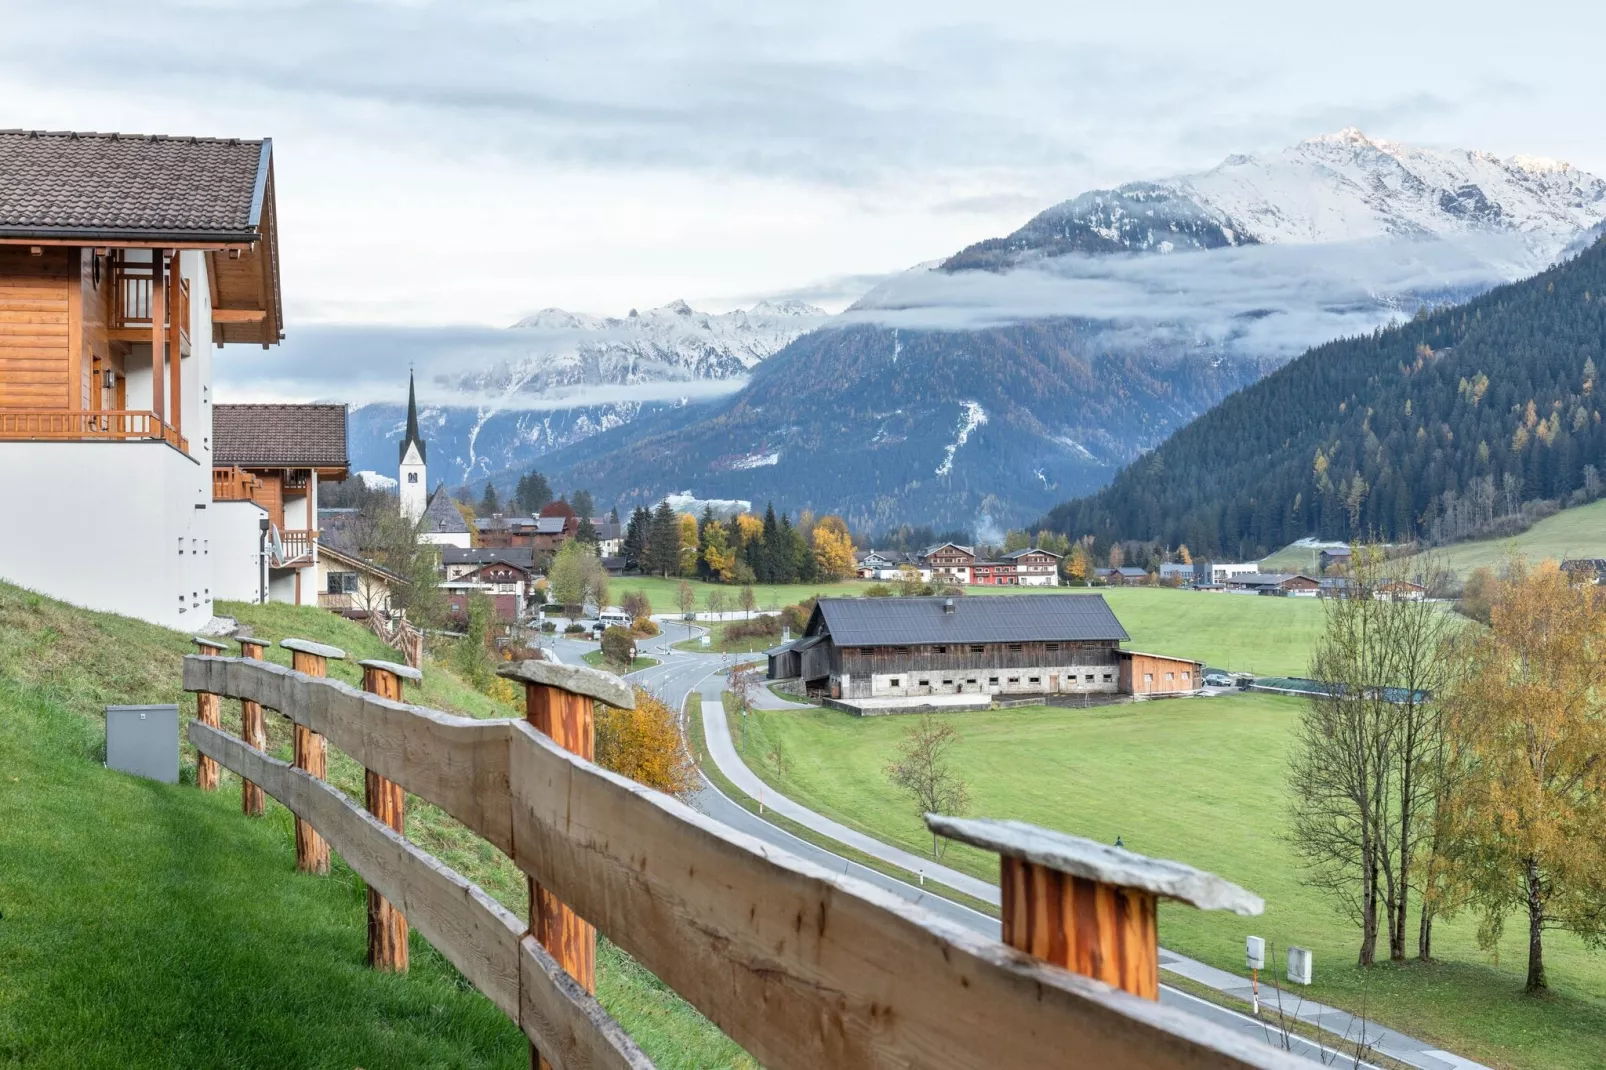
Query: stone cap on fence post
252	647
605	687
208	646
406	672
1089	907
317	650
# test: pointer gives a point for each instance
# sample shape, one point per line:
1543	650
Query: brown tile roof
279	436
131	187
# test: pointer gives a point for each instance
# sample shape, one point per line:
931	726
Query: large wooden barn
874	648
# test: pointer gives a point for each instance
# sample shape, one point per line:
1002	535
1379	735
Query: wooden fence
801	966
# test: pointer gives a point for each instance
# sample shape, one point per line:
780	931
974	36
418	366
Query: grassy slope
1200	781
1579	532
187	928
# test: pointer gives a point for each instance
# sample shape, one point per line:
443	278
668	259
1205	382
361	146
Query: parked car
1217	679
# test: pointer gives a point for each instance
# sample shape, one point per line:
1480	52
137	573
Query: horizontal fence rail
802	966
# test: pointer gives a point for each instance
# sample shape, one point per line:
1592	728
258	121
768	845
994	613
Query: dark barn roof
1004	619
131	187
279	436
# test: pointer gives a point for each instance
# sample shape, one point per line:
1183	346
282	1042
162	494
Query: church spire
412	423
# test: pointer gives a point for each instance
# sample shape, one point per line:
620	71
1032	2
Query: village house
1273	583
949	562
1332	557
1034	567
1217	573
1174	573
125	263
1585	569
442	524
457	562
351	585
274	457
879	648
1122	576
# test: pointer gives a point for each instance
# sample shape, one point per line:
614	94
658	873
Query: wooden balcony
234	485
295	546
105	425
131	304
337	603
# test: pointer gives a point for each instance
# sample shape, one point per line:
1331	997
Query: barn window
896	681
1148	677
1090	677
1170	676
939	650
972	682
978	650
1014	647
1035	680
1014	679
901	650
1106	677
992	681
1185	674
1051	646
925	683
947	683
867	650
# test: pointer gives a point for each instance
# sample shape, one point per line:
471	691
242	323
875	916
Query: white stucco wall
461	539
117	526
1072	680
236	544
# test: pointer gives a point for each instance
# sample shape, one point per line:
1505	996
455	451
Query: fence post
558	702
253	729
1086	906
208	710
311	751
387	929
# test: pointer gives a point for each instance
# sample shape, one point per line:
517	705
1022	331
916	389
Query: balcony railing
131	299
234	485
66	425
295	544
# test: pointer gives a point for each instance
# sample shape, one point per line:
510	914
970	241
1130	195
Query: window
939	650
1014	648
1035	680
1090	677
925	683
1170	676
896	681
1106	677
1014	679
342	582
992	681
972	682
1148	677
947	683
1185	674
867	650
412	477
978	650
902	650
1051	646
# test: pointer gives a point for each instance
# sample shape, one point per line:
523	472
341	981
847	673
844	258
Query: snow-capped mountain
1028	369
568	376
1341	187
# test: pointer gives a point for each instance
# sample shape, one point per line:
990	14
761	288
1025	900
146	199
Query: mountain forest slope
1436	428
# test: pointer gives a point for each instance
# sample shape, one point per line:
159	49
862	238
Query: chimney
947	605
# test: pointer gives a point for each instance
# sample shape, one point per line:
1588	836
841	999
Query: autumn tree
719	558
567	579
924	770
1363	770
716	603
686	596
645	745
833	548
748	600
1079	564
618	648
687	547
1183	556
1527	721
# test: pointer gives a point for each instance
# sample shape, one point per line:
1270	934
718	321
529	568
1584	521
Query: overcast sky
467	163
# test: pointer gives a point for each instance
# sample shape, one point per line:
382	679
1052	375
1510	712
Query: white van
614	617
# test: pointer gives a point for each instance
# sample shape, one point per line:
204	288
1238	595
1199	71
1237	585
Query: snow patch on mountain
971	416
756	460
375	481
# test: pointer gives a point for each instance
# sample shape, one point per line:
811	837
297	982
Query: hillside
1440	428
1578	532
148	925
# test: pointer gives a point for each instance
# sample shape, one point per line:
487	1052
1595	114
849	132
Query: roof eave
187	238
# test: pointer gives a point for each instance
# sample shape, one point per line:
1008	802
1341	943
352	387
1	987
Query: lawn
596	660
144	924
664	594
723	643
1201	781
1579	532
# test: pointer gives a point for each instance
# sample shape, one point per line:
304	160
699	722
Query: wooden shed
1158	674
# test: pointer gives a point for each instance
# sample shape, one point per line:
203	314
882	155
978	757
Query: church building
412	481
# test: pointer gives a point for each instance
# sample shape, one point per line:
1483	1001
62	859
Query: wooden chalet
124	261
950	561
275	456
872	648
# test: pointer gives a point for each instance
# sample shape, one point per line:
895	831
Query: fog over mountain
1025	369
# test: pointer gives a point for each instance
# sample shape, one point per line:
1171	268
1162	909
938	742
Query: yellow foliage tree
645	745
688	545
1183	556
1526	818
833	548
750	528
1079	565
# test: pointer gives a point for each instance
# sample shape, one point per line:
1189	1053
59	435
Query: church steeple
412	437
412	478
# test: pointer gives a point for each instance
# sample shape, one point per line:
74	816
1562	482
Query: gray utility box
143	740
